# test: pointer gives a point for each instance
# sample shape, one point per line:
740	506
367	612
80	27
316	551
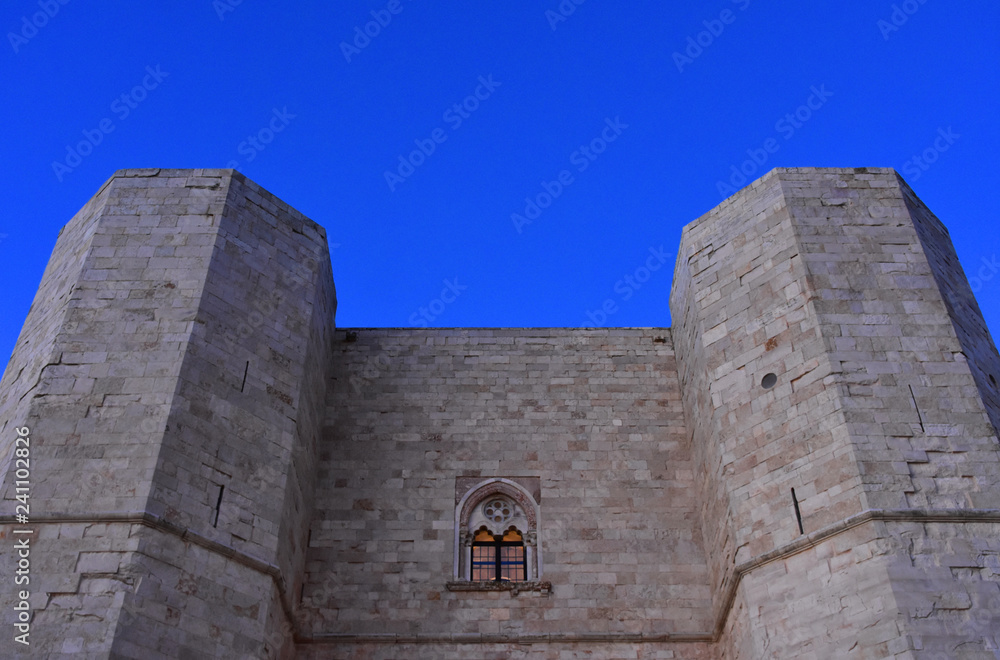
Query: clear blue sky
205	82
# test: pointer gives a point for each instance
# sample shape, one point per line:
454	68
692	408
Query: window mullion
499	561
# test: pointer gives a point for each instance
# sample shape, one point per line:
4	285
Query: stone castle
806	465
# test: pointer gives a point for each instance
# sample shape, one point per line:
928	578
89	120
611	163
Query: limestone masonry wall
819	279
805	466
149	425
594	416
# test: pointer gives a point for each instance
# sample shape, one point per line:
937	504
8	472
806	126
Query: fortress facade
806	465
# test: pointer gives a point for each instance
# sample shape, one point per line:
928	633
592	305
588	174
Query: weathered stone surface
594	414
179	314
806	465
838	282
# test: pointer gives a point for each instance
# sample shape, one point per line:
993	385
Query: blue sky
627	115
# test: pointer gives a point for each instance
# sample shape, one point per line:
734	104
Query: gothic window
496	534
499	558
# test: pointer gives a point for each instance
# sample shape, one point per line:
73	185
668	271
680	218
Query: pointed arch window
499	558
496	534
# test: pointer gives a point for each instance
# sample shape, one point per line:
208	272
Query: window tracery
496	534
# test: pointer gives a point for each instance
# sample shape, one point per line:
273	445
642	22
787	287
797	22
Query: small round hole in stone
768	381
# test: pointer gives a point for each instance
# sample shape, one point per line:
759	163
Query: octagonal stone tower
841	388
170	373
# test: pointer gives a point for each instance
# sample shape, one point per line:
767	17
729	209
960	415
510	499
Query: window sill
544	588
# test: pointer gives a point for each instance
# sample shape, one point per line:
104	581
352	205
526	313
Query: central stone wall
594	415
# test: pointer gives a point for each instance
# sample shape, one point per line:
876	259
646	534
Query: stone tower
805	465
840	386
171	375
